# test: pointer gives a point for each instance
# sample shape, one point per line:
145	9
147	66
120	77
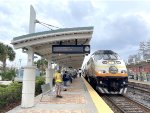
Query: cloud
114	7
126	51
80	10
120	33
71	13
118	25
19	57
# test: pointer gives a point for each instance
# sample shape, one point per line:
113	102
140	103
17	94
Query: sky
119	25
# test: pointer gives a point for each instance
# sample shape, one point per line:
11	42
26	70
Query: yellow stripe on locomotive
107	72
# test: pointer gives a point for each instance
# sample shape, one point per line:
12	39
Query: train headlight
111	62
123	71
100	72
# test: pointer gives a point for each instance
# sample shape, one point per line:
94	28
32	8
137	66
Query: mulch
9	107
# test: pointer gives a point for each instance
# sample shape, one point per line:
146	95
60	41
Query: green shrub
8	74
2	85
39	81
10	94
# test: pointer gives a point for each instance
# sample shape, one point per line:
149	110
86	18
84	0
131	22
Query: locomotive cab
107	72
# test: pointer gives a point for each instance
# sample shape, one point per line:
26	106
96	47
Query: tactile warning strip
52	111
67	99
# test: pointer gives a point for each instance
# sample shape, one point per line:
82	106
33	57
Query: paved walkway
75	100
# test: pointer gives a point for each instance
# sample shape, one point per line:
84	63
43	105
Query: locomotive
106	72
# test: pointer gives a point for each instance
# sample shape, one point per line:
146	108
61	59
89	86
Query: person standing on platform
65	80
144	76
80	71
148	76
58	83
139	76
136	76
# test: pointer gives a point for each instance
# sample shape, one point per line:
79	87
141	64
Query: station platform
139	82
80	97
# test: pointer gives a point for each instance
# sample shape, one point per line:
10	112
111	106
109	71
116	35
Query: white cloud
117	24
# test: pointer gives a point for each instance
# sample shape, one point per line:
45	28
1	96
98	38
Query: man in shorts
58	83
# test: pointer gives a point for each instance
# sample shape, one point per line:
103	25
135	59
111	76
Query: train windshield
111	57
106	57
98	57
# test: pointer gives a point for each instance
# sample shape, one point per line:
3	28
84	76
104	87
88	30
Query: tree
6	52
8	74
42	65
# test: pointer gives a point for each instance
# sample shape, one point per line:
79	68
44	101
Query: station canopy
41	43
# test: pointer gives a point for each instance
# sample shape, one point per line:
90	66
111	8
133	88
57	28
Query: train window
116	56
98	57
110	57
88	62
113	57
106	57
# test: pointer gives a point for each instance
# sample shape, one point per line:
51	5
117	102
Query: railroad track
127	105
139	88
145	93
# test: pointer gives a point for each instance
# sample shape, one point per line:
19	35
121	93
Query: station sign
71	49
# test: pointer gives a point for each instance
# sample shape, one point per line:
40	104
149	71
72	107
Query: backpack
65	78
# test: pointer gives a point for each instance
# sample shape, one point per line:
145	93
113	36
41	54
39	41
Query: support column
51	77
47	78
30	57
49	74
28	88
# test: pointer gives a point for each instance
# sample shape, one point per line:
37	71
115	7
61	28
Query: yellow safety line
101	106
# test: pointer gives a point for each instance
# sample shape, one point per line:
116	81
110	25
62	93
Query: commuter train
106	72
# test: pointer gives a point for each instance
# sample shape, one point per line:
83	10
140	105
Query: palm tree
6	52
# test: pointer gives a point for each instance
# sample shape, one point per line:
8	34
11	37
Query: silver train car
106	72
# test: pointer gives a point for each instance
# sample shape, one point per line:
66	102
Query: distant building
20	72
142	55
136	67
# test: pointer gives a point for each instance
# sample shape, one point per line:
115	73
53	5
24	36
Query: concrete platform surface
76	99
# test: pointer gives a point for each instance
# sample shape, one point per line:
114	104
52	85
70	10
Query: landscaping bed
10	95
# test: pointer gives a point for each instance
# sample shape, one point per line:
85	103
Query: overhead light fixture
24	50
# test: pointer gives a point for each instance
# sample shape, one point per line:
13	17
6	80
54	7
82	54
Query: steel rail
139	88
126	104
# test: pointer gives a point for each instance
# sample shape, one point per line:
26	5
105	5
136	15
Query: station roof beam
41	43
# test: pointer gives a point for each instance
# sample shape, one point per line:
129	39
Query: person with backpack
65	80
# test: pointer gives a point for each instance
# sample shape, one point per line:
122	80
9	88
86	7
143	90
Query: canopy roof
41	43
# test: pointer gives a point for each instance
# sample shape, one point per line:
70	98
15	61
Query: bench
46	90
